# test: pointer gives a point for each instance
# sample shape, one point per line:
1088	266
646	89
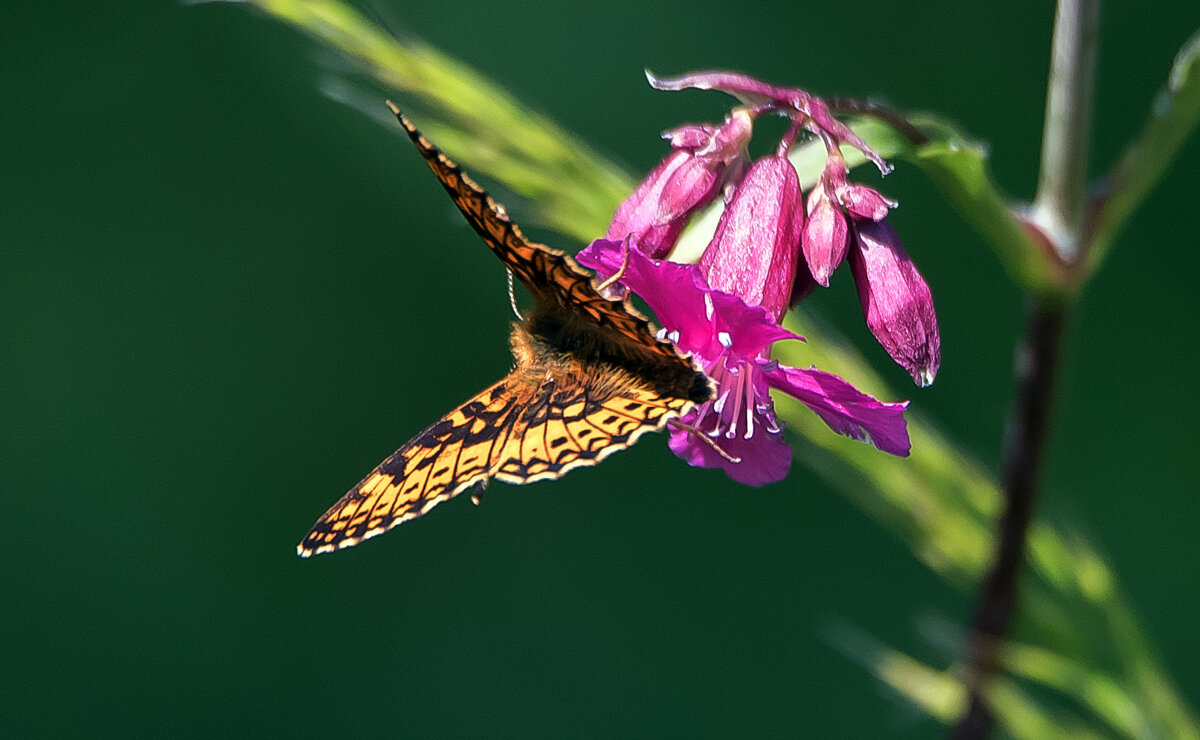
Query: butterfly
589	378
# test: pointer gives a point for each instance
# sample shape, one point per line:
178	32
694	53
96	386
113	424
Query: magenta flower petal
859	201
846	409
675	292
690	135
865	202
743	87
697	318
896	300
639	215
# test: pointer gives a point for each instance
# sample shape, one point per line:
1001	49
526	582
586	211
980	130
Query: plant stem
1060	206
1037	362
1059	210
902	125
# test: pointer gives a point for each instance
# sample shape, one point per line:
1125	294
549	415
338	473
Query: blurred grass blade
472	119
939	501
940	693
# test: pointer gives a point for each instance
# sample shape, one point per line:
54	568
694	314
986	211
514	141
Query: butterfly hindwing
520	430
461	449
579	419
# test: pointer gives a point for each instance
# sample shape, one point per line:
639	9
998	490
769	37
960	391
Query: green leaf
958	166
1172	118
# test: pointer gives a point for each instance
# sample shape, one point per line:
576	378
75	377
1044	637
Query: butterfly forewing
549	275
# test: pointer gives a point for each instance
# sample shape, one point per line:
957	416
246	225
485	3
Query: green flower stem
1061	202
1059	210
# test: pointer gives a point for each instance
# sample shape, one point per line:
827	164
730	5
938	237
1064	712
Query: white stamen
750	407
724	338
662	333
738	394
674	337
719	404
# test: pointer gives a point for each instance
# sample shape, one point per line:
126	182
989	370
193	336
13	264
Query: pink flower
843	218
726	311
732	342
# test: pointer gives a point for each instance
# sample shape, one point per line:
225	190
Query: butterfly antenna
619	273
704	438
512	296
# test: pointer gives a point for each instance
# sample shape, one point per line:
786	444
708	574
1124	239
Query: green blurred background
224	298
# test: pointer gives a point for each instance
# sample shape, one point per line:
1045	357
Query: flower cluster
726	310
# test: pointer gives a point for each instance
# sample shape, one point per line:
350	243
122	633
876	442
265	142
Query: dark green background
224	298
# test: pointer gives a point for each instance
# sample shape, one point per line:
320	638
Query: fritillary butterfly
589	379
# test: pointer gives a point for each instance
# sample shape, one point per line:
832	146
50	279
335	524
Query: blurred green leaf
1172	118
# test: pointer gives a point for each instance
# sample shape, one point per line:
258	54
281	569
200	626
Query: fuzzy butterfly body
589	378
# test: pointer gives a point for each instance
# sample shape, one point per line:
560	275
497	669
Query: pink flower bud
896	301
859	201
864	202
825	236
756	247
683	182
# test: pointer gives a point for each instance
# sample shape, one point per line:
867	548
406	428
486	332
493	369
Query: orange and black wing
580	419
550	276
458	451
517	430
